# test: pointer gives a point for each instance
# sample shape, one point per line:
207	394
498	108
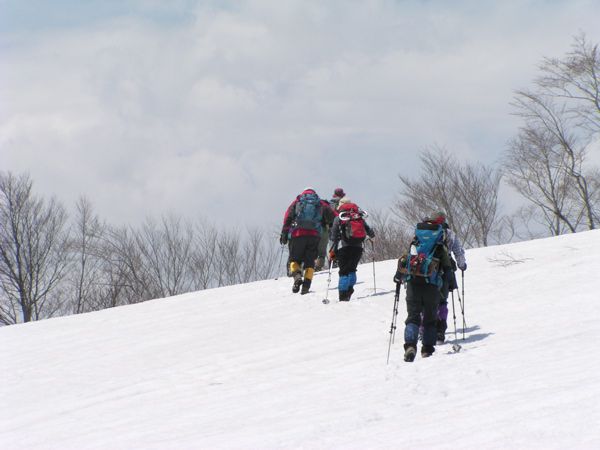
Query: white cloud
257	99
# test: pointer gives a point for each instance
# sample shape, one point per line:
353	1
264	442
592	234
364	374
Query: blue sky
228	109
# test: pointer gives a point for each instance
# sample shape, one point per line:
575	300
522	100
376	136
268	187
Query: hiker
423	269
325	227
454	247
338	194
350	230
302	225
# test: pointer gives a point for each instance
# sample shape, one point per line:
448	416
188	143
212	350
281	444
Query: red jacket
289	217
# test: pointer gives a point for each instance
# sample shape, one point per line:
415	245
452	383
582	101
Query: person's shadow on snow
469	338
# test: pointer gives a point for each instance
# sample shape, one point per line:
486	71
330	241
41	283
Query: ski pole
394	316
456	347
280	259
326	299
373	254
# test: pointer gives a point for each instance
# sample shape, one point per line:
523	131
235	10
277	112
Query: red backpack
352	223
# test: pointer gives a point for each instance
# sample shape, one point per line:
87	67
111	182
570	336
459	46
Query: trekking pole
394	316
461	300
462	284
456	347
373	252
280	259
326	299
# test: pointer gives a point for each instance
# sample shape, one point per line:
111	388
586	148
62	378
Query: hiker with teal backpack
423	270
349	231
302	225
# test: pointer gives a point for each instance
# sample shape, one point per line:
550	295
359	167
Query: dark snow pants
421	298
303	250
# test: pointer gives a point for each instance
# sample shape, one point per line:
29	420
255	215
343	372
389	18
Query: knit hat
309	189
339	192
438	217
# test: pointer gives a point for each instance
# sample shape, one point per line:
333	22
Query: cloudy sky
227	109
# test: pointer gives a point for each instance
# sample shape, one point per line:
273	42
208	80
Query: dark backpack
309	212
352	224
420	262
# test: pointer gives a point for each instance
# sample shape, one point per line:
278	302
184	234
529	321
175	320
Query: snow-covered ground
257	367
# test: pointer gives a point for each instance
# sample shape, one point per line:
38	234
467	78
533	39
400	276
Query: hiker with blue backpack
302	225
423	268
348	231
449	283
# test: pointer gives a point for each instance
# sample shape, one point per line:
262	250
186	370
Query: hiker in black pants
350	230
423	270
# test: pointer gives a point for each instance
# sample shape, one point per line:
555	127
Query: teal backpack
309	212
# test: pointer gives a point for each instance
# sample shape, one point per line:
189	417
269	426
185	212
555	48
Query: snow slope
257	367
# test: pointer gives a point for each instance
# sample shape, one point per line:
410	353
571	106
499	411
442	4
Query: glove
283	239
398	277
463	267
332	254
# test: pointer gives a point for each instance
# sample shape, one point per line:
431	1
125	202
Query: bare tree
33	252
535	167
229	259
562	116
259	256
575	79
166	251
47	270
391	236
85	276
476	188
204	257
126	265
467	193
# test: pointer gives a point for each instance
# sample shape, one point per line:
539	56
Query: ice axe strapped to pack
352	223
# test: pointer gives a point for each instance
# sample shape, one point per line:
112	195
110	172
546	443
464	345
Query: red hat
339	192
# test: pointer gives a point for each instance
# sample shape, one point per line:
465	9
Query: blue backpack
309	212
420	262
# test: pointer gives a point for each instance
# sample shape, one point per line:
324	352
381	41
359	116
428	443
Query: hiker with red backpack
303	222
349	231
423	269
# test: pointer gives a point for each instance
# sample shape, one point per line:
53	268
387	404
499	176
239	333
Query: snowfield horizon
255	366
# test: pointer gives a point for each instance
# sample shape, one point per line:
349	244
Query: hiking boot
441	337
319	263
344	296
410	351
427	351
350	292
305	287
297	282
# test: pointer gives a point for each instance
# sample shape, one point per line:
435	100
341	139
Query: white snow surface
256	367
